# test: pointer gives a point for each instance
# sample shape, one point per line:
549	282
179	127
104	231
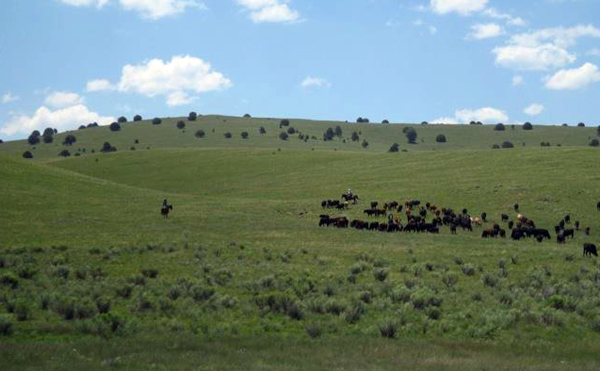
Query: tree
565	125
598	131
385	122
527	126
180	124
227	135
394	148
362	120
594	143
192	116
291	130
364	144
338	131
245	134
581	125
69	140
106	147
27	154
81	127
199	134
247	115
92	125
156	121
411	135
328	135
424	123
48	138
283	135
355	137
33	139
284	122
114	126
137	118
499	127
441	138
64	153
262	130
48	132
507	144
122	120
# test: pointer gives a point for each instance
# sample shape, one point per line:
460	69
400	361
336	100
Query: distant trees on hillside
48	136
355	137
394	148
507	144
594	142
34	139
495	146
284	122
581	125
291	131
192	116
527	126
329	134
199	133
122	120
227	135
338	131
545	144
424	123
364	144
27	154
69	140
385	122
81	127
247	115
441	138
106	147
362	120
475	123
180	124
137	118
92	125
283	135
156	121
411	135
499	127
598	131
114	126
262	130
244	134
64	153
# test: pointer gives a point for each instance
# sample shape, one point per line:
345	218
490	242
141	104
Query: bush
527	126
314	331
424	123
106	147
499	127
199	133
180	124
244	134
22	310
156	121
64	153
69	140
394	148
114	126
338	131
385	122
27	154
48	138
284	122
6	328
355	137
489	280
388	330
81	127
247	115
137	118
122	120
150	272
92	125
283	135
227	135
545	144
328	135
594	143
291	130
365	144
33	139
411	135
495	146
581	125
192	116
507	144
381	274
441	138
468	270
262	130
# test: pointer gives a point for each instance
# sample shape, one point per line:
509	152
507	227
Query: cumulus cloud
510	20
485	31
517	80
270	11
542	49
62	99
462	7
315	82
573	79
174	79
486	115
149	9
62	119
8	98
534	109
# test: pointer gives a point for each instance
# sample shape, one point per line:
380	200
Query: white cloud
462	7
510	20
517	80
573	79
431	29
149	9
62	99
542	49
173	79
534	109
315	82
62	119
270	11
8	98
99	85
486	115
485	31
593	52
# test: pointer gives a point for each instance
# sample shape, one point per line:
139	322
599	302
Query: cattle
598	206
453	228
541	232
516	207
502	233
567	219
587	231
576	225
539	238
465	211
483	216
504	217
488	233
557	229
476	221
560	237
589	249
511	224
383	227
569	233
330	204
374	204
325	220
517	234
374	226
561	224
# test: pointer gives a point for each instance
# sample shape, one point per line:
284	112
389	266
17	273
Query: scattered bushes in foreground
27	154
441	138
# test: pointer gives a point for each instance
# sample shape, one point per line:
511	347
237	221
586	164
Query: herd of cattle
417	214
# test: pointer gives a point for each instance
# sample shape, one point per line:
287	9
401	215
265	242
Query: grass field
240	275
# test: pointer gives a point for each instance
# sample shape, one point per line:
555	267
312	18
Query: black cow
516	207
557	228
453	228
560	237
511	224
589	249
517	234
587	231
568	219
598	206
561	224
483	216
374	204
576	225
569	233
504	217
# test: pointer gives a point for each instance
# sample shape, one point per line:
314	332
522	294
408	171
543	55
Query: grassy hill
240	275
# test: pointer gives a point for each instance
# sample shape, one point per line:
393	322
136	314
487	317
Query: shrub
227	135
199	133
385	122
33	139
314	331
581	125
48	138
527	126
495	146
424	123
355	137
22	310
594	143
64	153
122	120
81	127
137	118
468	270
328	135
450	280
338	131
244	134
381	274
150	272
284	122
411	135
388	330
499	127
114	126
156	121
424	298
106	147
124	290
262	130
192	116
394	148
247	115
92	125
283	135
458	260
26	271
507	144
291	130
27	154
180	124
69	140
441	138
6	328
361	120
9	279
364	144
489	280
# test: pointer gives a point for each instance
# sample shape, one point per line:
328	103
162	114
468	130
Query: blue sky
64	63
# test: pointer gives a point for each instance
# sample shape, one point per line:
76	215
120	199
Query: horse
353	198
164	211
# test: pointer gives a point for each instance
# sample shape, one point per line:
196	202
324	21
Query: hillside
379	136
241	262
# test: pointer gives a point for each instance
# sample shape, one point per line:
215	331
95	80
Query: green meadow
240	275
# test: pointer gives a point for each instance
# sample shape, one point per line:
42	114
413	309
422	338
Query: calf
587	231
589	249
